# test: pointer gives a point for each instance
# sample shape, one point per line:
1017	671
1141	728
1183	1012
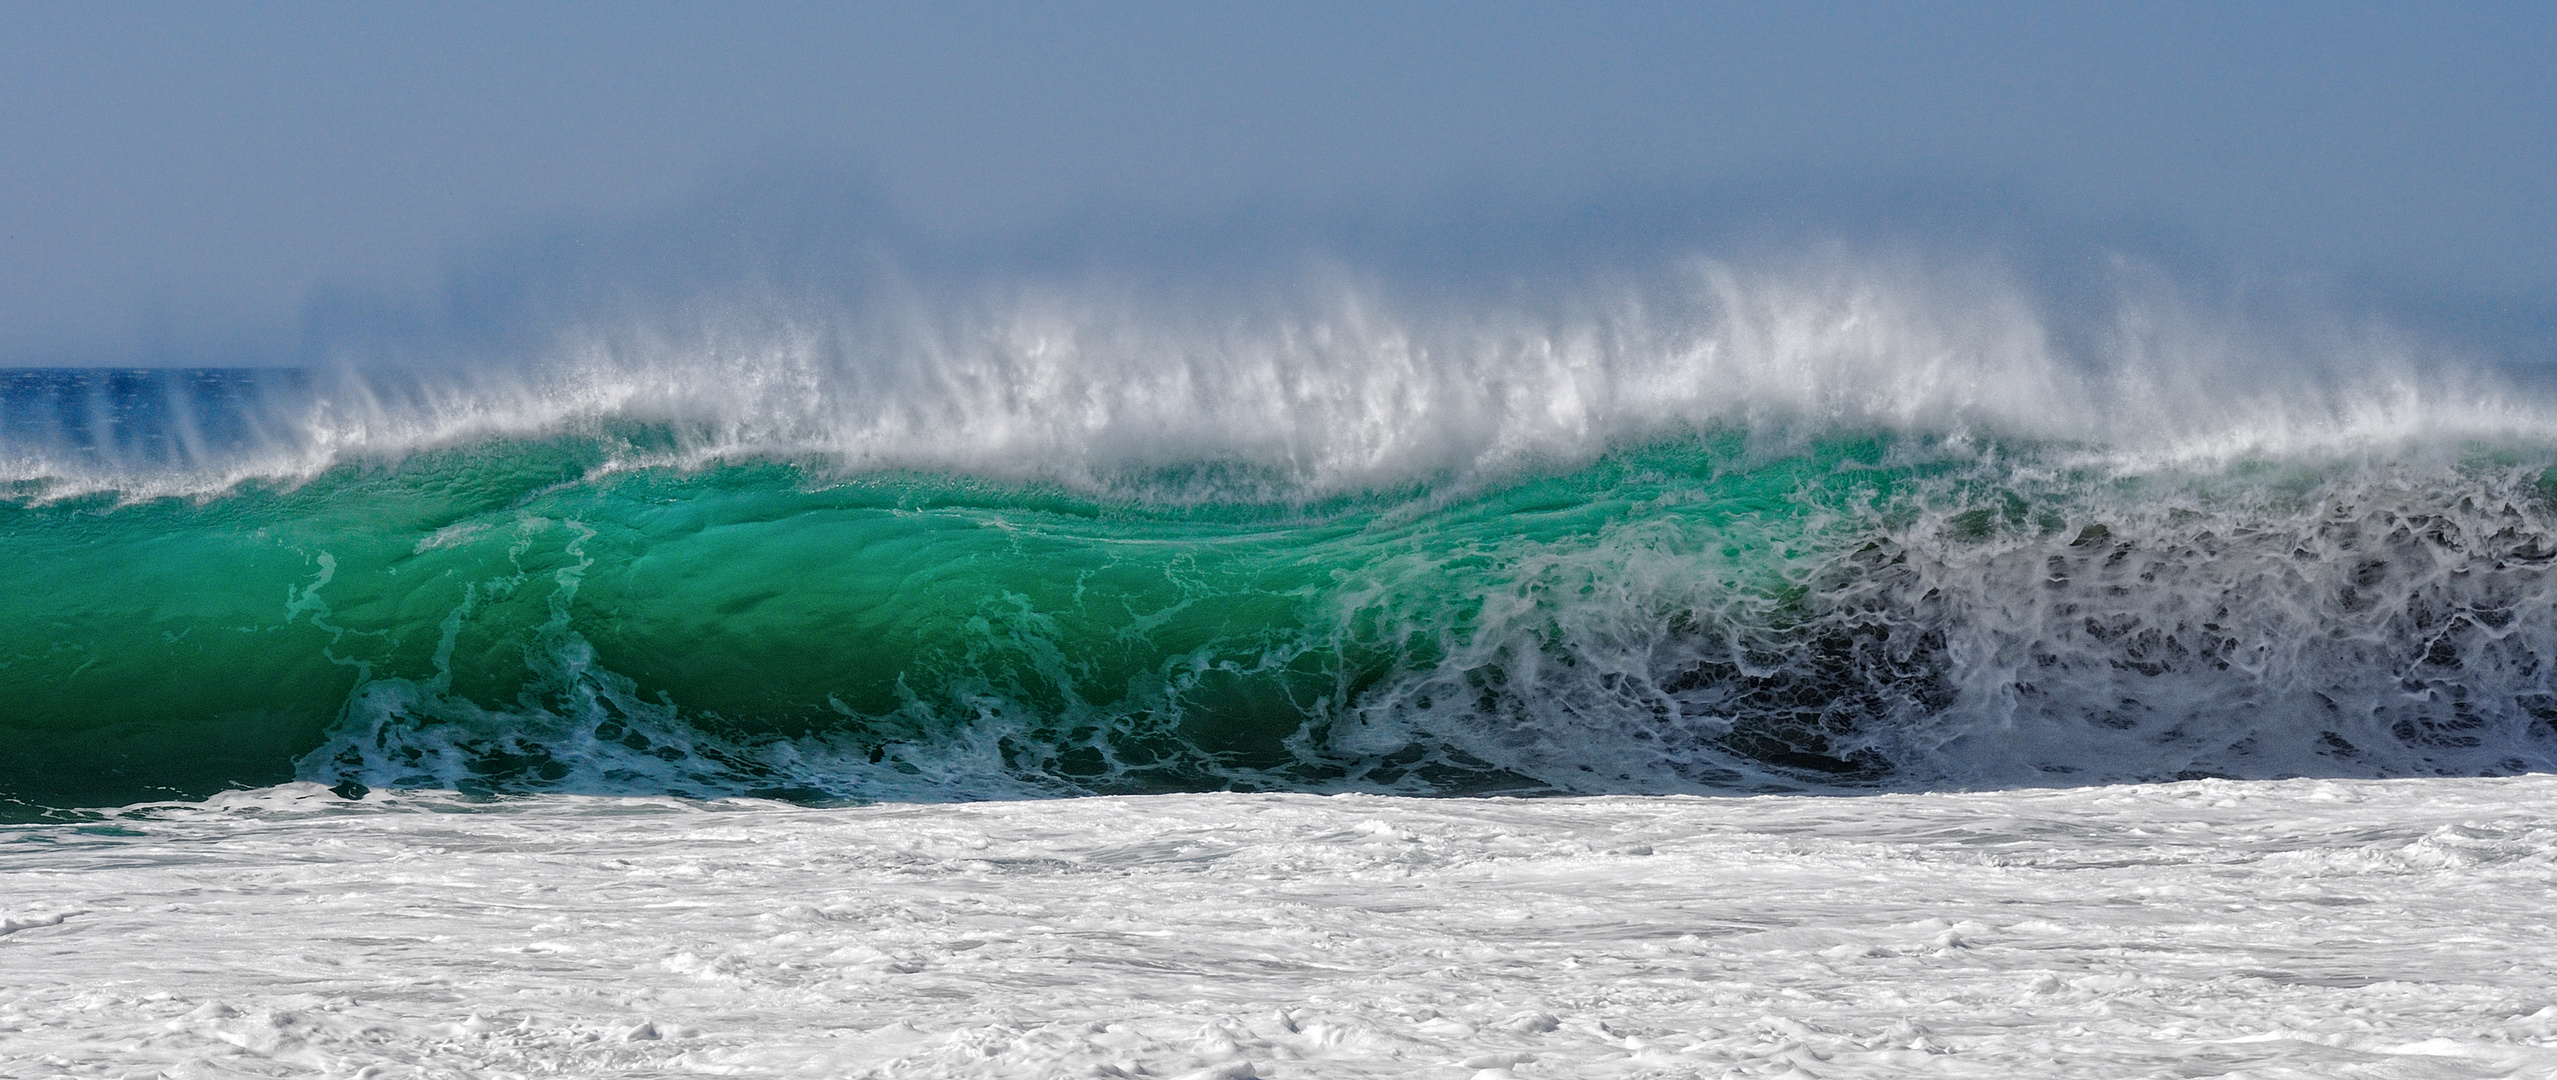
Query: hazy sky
177	180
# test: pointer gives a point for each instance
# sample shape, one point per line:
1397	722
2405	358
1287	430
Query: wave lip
1319	385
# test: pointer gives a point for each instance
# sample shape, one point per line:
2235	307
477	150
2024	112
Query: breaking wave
1836	524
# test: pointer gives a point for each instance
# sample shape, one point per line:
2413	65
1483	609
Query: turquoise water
1709	613
192	644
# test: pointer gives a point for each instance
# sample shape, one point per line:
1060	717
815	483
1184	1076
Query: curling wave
1842	525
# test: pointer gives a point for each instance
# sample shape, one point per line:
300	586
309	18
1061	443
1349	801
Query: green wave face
1696	615
493	600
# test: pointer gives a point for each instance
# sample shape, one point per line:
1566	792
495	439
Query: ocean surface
1832	669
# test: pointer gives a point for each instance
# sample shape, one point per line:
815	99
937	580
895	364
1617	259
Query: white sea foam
2384	929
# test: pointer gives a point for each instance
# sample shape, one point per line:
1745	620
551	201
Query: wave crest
1329	381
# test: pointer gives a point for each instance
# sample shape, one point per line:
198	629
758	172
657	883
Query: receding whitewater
2383	929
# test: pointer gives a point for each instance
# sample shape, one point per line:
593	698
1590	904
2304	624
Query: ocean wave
1885	611
1839	523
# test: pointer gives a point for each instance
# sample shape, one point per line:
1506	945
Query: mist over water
832	512
812	328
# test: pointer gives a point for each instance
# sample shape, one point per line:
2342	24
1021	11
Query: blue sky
179	182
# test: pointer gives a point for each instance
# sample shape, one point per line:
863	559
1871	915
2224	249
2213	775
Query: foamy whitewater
2301	928
1851	665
